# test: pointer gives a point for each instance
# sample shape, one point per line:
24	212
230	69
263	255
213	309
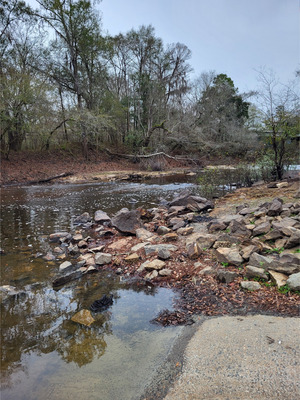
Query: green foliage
225	264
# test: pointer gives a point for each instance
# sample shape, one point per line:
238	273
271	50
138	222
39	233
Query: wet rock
83	219
49	256
101	217
256	272
293	281
83	317
102	304
62	280
127	221
251	286
226	276
58	250
278	278
102	258
229	255
89	259
59	236
65	266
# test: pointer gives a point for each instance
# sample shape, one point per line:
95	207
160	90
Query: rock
143	234
294	240
275	207
103	258
226	276
175	221
206	271
273	235
176	209
77	237
261	229
102	304
101	217
49	256
278	278
255	272
151	275
62	280
257	260
59	236
127	221
138	247
185	231
248	250
293	281
247	211
89	259
229	255
285	222
193	251
164	254
155	248
119	244
192	202
282	185
83	218
155	264
239	230
83	317
96	249
132	258
162	230
82	244
216	226
286	263
251	286
204	240
170	237
280	243
221	243
165	272
65	266
91	269
58	250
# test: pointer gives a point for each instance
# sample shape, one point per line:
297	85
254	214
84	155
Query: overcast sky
229	36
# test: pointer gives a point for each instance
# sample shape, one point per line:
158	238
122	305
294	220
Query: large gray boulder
187	200
286	263
126	221
275	208
257	260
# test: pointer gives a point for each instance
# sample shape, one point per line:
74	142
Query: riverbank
27	167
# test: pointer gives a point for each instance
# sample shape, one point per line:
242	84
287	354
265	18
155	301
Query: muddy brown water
46	355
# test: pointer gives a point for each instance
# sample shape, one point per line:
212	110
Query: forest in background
65	84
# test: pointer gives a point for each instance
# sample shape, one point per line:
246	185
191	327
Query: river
46	355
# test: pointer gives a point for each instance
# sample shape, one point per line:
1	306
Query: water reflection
38	339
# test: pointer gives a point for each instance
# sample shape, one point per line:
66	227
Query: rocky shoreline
237	259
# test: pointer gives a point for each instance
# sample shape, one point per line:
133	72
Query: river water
44	354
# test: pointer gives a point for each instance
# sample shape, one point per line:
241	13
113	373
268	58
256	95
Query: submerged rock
83	317
102	304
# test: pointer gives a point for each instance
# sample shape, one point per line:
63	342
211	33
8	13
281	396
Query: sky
235	37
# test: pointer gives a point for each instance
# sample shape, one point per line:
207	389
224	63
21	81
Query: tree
75	53
280	107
